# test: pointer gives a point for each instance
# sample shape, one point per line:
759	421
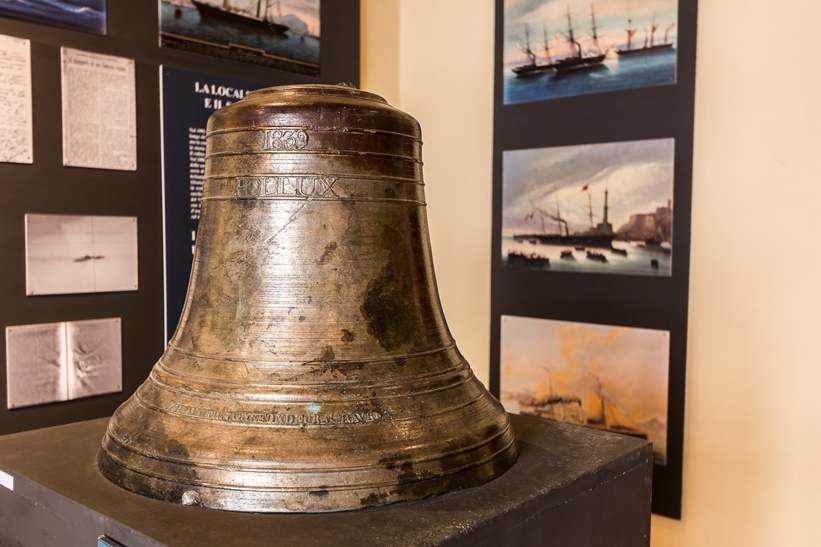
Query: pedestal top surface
557	461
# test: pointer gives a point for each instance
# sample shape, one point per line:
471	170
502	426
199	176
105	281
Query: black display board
592	116
188	100
46	187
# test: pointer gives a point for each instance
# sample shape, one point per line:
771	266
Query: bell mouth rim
340	90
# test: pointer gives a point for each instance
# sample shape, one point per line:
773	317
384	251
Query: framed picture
87	15
597	208
565	48
281	34
601	376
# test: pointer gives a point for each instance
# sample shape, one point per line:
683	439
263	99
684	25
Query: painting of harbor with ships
563	48
283	34
600	376
596	208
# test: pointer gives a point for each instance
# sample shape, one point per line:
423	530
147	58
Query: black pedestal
571	486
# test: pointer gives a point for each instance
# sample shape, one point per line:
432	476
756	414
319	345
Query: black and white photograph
94	357
68	254
35	364
54	362
282	34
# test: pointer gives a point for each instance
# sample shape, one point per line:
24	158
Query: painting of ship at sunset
596	208
601	376
562	48
281	34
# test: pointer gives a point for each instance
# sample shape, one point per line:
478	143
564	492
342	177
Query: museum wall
753	374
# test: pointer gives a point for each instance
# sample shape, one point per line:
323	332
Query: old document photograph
53	362
16	140
563	48
86	15
597	208
68	254
601	376
282	34
94	357
35	364
99	111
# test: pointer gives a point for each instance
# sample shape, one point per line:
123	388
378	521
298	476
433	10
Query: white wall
752	442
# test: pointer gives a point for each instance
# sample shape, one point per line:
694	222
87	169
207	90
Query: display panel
593	151
188	100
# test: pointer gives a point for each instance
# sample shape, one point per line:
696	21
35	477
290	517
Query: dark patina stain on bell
312	368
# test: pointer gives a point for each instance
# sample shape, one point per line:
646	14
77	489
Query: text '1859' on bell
312	369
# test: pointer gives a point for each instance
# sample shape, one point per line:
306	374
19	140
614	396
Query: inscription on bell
277	418
284	139
310	186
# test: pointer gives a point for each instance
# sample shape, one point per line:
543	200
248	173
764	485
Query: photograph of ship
281	34
563	48
600	376
595	208
86	15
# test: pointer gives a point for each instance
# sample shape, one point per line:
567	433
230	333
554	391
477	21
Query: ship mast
574	45
604	220
547	47
595	36
654	26
630	32
528	51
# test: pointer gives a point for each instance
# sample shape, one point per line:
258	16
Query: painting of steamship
601	376
598	208
563	48
282	34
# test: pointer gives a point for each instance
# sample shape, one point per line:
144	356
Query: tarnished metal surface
312	369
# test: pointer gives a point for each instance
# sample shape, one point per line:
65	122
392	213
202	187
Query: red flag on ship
528	216
584	188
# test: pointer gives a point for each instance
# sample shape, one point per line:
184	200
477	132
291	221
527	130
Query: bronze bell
312	369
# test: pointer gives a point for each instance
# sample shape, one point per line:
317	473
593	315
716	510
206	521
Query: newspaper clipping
99	111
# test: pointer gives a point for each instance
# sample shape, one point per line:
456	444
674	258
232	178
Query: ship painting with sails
606	377
576	59
281	34
564	48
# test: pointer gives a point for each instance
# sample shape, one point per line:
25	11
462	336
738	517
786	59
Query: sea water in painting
601	376
563	48
280	34
87	15
596	208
